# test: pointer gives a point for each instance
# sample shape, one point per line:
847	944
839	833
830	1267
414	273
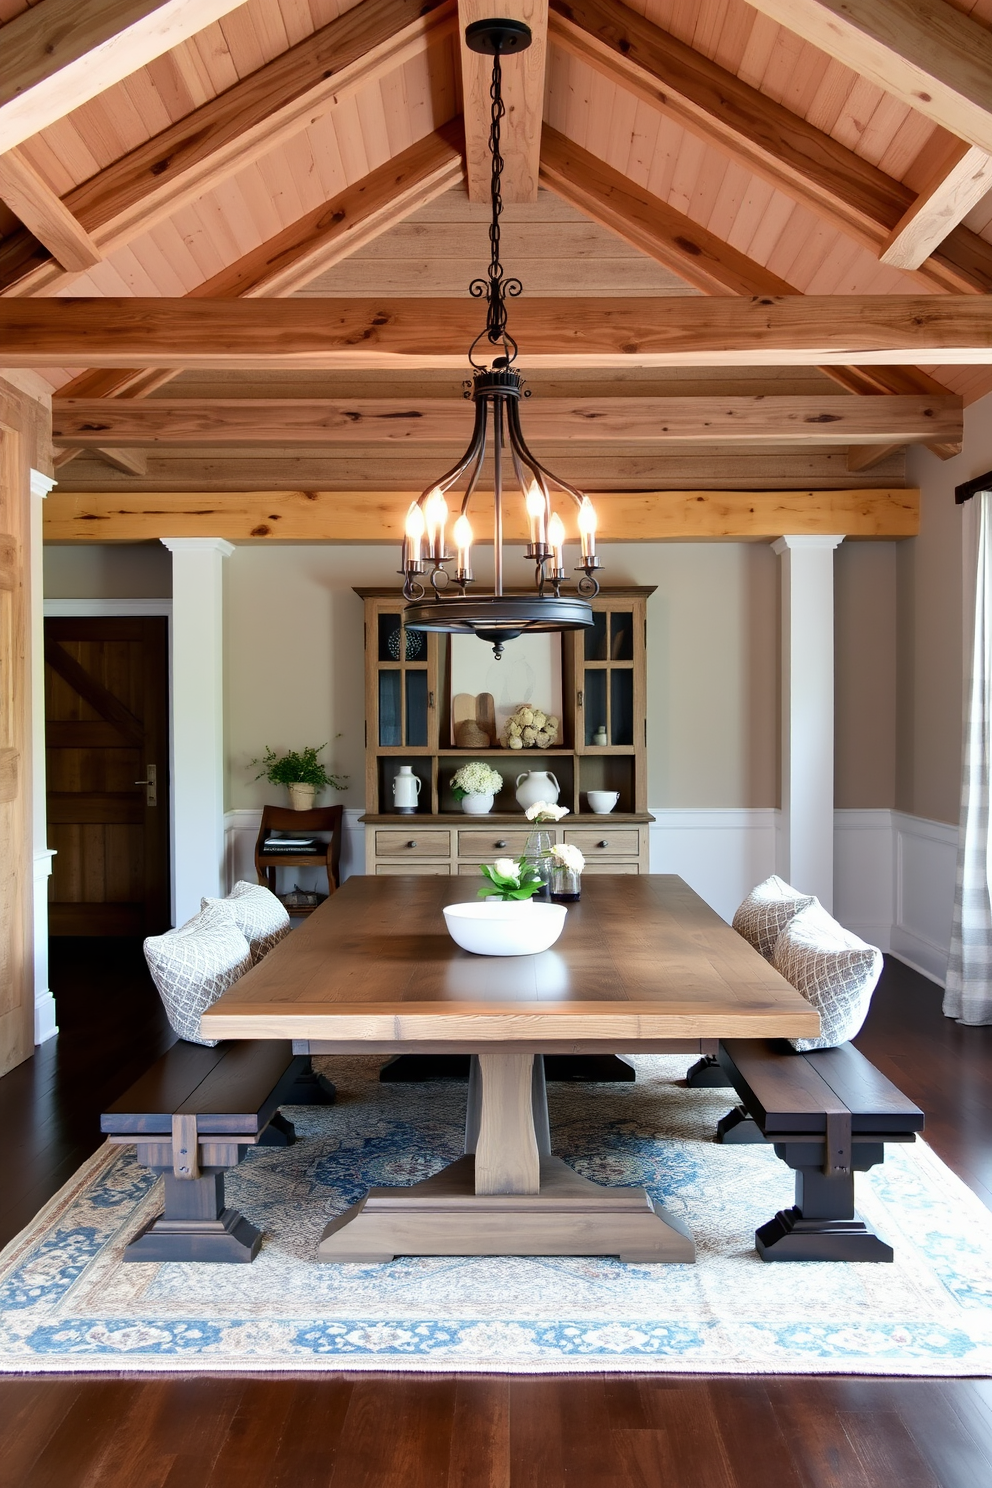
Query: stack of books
291	845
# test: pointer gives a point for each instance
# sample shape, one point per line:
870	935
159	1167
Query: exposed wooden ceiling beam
307	247
316	333
377	516
780	146
61	53
45	214
611	199
523	94
649	224
924	52
268	106
129	461
864	457
660	421
957	185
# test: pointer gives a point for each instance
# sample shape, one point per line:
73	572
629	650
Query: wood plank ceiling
664	149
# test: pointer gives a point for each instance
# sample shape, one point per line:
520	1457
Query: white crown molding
198	544
72	609
807	540
42	484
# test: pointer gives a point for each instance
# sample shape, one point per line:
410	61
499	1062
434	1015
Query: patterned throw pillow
766	911
193	965
258	914
833	970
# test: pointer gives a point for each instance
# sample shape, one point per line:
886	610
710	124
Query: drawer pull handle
413	843
500	843
604	843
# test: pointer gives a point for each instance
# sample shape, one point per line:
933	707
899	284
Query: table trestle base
569	1215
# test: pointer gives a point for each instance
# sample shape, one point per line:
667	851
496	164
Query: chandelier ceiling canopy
496	389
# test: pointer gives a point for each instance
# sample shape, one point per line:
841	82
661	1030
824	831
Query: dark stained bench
193	1115
829	1114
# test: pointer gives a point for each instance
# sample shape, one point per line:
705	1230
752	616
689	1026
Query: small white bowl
505	927
602	802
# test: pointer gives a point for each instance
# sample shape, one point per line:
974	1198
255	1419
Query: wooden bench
192	1116
829	1114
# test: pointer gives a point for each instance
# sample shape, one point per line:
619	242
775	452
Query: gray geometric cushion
258	914
766	911
833	970
193	965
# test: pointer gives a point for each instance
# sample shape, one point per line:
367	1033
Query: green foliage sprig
297	767
506	879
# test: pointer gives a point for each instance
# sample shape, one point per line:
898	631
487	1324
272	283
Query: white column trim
45	1026
196	722
806	839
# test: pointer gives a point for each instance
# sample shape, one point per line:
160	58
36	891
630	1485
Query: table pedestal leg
508	1195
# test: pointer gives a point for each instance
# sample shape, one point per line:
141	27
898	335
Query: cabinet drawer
410	842
486	843
421	870
605	842
607	865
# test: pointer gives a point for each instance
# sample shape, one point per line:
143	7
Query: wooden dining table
643	965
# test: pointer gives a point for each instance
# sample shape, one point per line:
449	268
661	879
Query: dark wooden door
107	738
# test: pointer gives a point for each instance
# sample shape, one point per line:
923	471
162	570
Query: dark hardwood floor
376	1431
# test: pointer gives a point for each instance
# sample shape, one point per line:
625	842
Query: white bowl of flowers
506	920
475	785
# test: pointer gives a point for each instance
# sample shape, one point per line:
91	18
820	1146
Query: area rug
68	1304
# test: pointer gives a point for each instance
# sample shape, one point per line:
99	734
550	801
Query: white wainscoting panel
925	861
241	832
721	853
864	885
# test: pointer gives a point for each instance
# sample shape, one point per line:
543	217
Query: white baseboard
45	1025
241	833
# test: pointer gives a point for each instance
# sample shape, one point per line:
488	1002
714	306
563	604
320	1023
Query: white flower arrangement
543	811
476	779
568	856
509	880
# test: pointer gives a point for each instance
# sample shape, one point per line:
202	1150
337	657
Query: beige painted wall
865	674
108	571
294	658
931	667
292	622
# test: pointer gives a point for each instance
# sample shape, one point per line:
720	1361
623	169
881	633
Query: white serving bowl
505	927
602	802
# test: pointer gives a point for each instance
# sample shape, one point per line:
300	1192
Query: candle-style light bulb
556	538
414	534
436	515
536	511
587	528
462	533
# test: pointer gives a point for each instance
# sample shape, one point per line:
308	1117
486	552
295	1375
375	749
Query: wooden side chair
281	819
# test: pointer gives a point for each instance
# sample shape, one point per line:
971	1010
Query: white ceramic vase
537	785
301	796
477	805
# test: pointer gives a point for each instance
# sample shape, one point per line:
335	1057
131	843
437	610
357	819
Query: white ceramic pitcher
406	790
537	785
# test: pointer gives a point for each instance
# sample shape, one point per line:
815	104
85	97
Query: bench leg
278	1133
705	1073
823	1225
304	1086
196	1226
738	1129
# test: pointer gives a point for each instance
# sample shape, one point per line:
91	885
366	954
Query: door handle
151	785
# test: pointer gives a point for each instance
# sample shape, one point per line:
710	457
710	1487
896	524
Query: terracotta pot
301	796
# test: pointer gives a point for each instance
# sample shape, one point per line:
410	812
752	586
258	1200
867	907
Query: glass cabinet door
606	688
403	692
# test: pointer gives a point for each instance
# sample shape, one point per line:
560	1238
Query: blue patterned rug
68	1304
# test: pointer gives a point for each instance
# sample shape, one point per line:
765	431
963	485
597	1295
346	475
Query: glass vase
566	884
537	855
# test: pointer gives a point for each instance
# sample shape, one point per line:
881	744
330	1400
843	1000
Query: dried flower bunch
476	779
568	856
508	879
529	728
544	811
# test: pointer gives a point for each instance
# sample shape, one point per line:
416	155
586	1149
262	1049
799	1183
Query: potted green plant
301	771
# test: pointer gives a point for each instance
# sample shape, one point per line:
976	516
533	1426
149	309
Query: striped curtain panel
968	994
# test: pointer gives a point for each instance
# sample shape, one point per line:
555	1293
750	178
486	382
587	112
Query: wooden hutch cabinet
408	722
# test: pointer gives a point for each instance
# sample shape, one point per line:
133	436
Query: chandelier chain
496	286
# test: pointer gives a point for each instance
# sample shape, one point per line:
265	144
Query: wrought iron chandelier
496	391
